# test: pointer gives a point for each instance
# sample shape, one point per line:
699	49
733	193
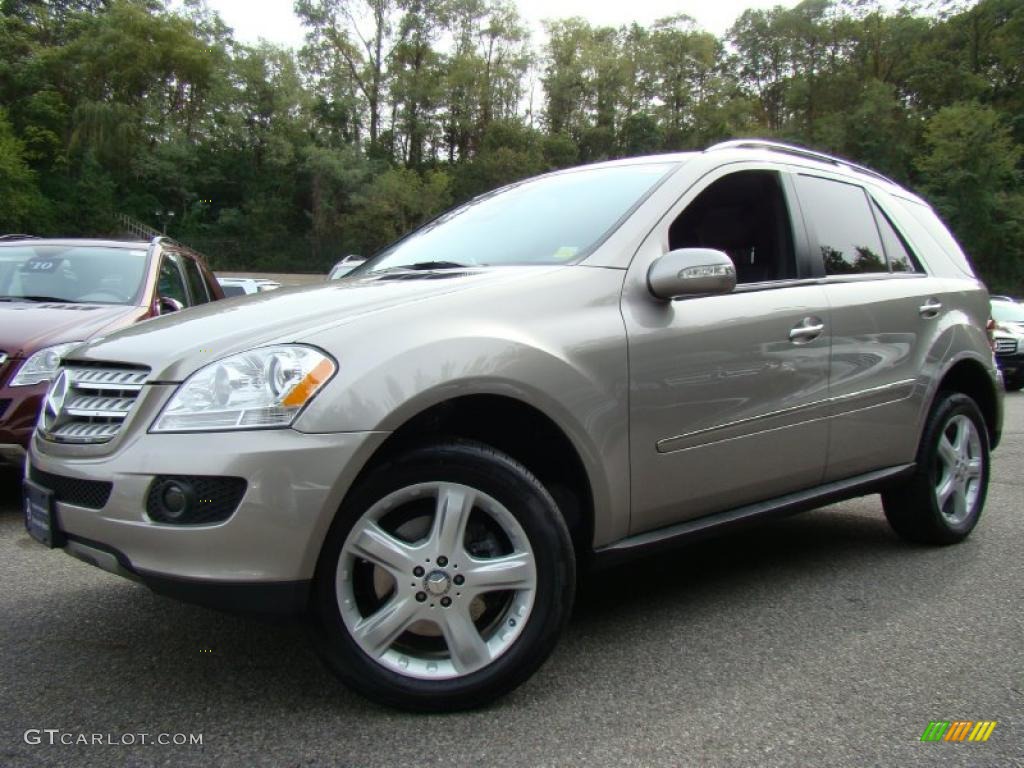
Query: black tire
1013	385
912	507
512	485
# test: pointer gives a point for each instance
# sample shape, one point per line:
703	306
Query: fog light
193	499
175	499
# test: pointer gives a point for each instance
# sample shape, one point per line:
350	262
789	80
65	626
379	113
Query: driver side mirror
165	305
691	272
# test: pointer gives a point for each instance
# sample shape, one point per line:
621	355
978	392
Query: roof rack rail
166	240
18	237
792	149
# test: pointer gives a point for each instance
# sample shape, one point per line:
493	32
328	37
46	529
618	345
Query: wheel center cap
436	582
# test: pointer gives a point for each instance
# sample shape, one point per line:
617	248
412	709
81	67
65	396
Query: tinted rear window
938	232
840	216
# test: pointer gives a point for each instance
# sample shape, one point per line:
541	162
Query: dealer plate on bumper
41	515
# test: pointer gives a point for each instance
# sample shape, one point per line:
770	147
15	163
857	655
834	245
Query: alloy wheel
436	580
960	468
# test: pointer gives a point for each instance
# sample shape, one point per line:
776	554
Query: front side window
82	274
554	219
171	284
743	214
838	213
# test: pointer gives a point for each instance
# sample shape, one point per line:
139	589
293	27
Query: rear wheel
445	581
942	501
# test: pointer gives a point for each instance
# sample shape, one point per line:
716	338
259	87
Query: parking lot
818	640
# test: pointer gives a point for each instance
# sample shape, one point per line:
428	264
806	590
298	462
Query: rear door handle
808	330
930	308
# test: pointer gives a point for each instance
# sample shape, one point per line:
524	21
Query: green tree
23	205
970	172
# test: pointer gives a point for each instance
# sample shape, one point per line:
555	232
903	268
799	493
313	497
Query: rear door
885	311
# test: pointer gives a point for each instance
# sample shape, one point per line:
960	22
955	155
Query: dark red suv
55	294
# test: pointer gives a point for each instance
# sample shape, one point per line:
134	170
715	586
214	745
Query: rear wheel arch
968	376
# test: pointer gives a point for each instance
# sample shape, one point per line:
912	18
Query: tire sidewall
526	499
950	406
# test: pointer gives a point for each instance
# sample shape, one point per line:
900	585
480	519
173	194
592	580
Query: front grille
5	403
92	494
211	499
94	403
1006	346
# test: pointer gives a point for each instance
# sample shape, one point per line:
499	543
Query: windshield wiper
426	265
56	299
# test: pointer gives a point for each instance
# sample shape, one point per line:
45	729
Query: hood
26	327
174	346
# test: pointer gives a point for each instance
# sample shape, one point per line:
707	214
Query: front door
728	393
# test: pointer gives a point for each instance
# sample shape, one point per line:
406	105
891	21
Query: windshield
84	274
1005	312
551	220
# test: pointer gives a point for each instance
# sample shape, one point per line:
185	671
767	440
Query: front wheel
445	580
942	501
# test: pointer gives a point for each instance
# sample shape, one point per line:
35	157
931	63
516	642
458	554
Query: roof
71	241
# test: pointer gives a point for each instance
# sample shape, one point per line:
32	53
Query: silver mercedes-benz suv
567	372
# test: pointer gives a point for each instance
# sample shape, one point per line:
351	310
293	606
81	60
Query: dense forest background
267	158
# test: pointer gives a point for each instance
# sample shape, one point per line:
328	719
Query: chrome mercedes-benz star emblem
55	400
437	582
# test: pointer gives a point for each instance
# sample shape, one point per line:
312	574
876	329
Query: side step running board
673	535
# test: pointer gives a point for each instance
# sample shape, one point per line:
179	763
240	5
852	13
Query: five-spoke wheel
941	502
436	560
445	580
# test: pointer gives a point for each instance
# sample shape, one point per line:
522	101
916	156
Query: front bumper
1012	366
19	411
261	559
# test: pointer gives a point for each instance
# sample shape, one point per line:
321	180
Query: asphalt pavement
818	640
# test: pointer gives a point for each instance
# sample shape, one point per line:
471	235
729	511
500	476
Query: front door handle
807	330
930	308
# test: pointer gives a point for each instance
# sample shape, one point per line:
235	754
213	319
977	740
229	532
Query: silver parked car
567	372
246	286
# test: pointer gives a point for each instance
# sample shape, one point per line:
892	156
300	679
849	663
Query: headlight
265	387
42	366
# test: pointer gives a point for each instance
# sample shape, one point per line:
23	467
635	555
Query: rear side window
841	218
937	231
200	295
233	290
900	258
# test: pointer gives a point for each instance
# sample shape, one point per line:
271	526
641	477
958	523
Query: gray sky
274	20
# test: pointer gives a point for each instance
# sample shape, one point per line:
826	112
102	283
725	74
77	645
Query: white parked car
241	286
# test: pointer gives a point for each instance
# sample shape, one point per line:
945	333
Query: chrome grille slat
100	407
1006	346
93	404
92	387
